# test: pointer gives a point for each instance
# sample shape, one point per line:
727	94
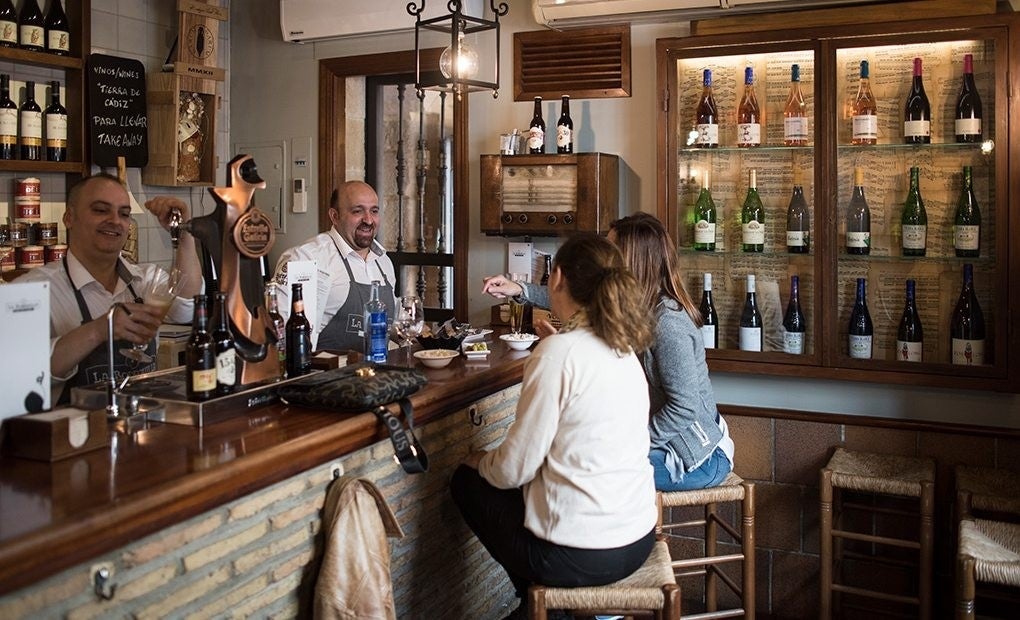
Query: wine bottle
967	325
752	332
709	317
30	117
8	120
31	30
548	269
858	219
536	132
279	326
704	218
200	355
8	24
752	217
565	128
55	118
967	221
910	335
376	338
298	337
864	111
748	114
795	120
706	116
798	223
968	106
914	218
226	353
58	32
861	331
917	112
793	322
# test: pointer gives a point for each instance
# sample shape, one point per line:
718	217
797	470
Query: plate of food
518	342
436	358
475	350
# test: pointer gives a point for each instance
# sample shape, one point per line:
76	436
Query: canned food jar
29	187
55	252
30	256
7	260
27	211
46	233
19	234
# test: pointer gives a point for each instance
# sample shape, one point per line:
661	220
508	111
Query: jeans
712	472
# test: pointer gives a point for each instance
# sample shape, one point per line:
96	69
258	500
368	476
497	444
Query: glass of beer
517	308
160	293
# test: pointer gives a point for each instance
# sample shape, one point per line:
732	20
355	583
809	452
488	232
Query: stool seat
729	490
993	490
995	547
880	473
652	587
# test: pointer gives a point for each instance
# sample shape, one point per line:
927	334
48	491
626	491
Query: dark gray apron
95	368
345	331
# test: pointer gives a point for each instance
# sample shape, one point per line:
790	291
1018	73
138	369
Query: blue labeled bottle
376	328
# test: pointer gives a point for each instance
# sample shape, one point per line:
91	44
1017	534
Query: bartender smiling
93	277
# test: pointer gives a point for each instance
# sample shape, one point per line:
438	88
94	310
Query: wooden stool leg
825	550
711	535
671	602
747	548
659	518
927	545
965	587
536	603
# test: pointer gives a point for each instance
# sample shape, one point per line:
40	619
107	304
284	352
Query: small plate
518	342
477	355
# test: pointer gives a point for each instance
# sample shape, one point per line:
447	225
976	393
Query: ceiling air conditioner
316	20
566	13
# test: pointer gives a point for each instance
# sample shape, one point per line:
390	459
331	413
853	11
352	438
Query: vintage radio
549	195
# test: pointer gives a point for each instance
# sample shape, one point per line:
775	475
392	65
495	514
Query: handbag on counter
363	387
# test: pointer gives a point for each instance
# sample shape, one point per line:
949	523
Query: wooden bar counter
66	514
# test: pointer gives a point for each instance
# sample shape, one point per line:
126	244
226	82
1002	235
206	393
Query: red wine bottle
30	116
58	32
917	112
31	31
752	330
8	120
793	323
861	331
967	325
8	24
55	119
798	223
968	106
910	335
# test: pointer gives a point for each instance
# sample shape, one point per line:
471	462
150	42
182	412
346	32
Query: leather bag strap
408	452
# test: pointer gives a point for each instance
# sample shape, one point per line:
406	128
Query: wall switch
300	203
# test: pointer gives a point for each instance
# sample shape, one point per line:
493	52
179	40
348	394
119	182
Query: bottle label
796	238
915	236
708	133
858	239
909	351
966	237
865	127
708	335
31	36
795	128
793	342
968	352
753	233
31	128
226	367
377	340
916	129
8	126
203	380
968	126
536	138
564	136
750	339
56	130
704	231
9	32
749	134
860	347
58	40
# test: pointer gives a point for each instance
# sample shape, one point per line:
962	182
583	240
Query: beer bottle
200	355
298	336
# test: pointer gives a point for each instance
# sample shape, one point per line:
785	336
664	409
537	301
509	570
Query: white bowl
436	358
518	342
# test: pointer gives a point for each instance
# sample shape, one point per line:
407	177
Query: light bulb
462	65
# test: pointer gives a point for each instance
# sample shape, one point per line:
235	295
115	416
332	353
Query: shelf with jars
759	116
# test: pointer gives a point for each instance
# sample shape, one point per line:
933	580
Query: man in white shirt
93	277
348	259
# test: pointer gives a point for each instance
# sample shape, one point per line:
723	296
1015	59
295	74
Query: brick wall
258	556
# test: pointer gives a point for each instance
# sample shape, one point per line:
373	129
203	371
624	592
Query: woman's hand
501	287
543	328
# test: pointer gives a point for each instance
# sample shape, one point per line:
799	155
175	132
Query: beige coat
354	579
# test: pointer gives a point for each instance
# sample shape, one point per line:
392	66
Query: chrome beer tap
176	226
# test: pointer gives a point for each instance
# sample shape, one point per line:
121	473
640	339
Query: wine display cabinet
829	64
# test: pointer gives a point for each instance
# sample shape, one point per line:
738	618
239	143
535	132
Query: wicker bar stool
880	474
651	588
732	489
987	491
989	553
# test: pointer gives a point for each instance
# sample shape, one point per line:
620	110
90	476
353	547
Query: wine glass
409	321
160	293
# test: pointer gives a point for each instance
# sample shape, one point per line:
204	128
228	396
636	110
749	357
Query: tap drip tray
169	388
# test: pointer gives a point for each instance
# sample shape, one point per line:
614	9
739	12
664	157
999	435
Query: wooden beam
886	12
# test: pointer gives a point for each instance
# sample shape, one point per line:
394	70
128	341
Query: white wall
274	87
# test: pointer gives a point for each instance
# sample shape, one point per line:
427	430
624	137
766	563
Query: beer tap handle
175	227
112	408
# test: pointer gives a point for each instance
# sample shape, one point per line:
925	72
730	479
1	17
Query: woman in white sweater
568	498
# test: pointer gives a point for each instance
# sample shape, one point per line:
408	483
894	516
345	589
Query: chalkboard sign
117	123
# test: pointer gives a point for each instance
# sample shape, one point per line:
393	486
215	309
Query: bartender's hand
474	458
187	256
136	323
543	328
501	287
160	206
